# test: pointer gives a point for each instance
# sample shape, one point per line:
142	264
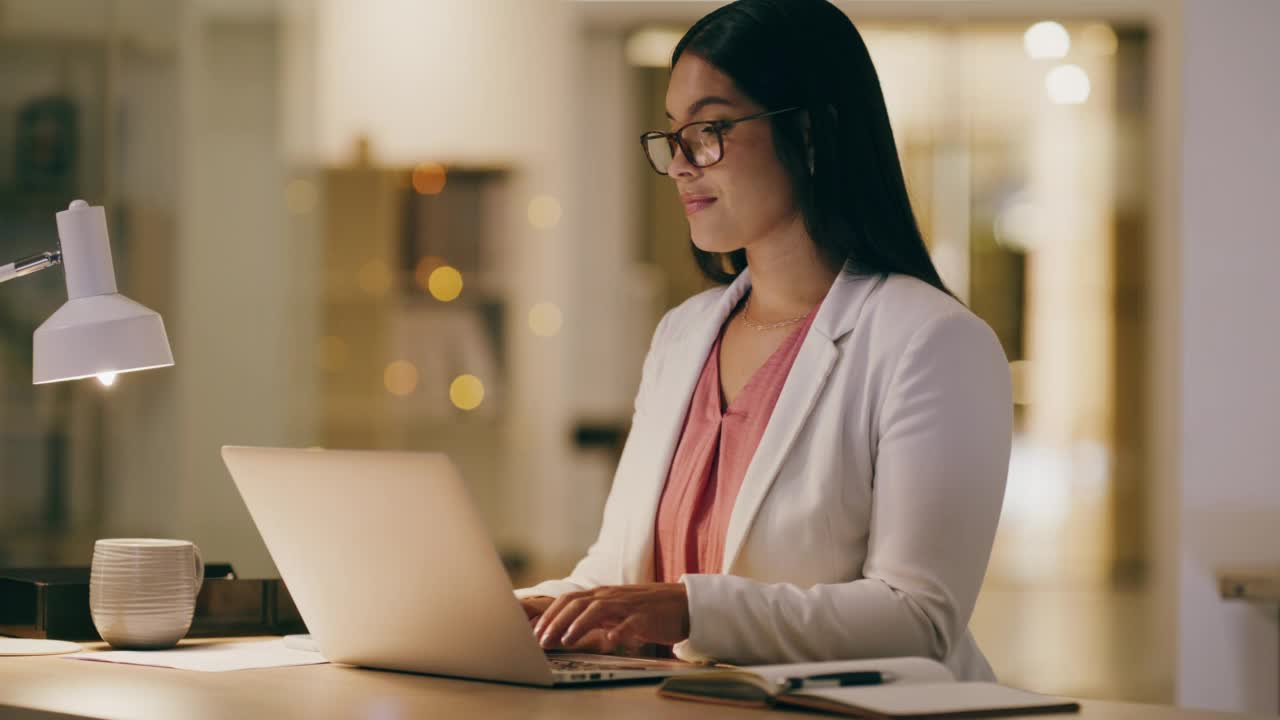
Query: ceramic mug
142	591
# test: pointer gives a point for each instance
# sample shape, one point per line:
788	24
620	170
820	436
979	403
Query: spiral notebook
913	688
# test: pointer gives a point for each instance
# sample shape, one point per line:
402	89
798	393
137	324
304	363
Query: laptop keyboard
569	665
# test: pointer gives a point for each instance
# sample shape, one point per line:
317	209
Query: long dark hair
807	53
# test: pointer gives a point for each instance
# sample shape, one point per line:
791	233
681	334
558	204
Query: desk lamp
98	332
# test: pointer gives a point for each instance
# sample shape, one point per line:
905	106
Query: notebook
909	688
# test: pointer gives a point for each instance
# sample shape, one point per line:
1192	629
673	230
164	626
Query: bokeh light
544	212
1067	85
545	319
429	178
466	392
1017	224
444	283
400	378
1046	39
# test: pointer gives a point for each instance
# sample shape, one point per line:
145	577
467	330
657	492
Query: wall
1230	349
245	315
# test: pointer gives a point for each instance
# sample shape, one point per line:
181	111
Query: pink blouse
716	446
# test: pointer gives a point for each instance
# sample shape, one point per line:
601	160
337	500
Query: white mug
142	591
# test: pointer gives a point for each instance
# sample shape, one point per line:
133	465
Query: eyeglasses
702	142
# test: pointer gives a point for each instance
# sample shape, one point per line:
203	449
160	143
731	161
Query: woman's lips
694	204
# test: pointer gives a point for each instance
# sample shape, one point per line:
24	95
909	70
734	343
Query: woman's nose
680	164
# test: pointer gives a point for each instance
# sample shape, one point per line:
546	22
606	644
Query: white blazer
864	523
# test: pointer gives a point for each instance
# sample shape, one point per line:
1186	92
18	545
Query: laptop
390	566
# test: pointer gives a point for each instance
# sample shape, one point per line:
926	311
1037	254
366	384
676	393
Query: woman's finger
554	609
593	642
555	627
628	632
597	613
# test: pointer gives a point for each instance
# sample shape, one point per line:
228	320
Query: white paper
212	657
934	699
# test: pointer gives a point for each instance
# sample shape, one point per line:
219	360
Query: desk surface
104	690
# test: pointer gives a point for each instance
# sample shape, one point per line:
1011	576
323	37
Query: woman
818	454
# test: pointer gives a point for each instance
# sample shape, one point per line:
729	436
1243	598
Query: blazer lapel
687	351
800	391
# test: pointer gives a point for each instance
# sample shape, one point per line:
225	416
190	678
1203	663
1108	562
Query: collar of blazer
686	352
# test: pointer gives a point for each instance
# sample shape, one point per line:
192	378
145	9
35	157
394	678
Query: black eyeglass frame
719	126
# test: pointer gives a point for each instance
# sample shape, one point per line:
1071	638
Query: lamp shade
98	334
97	331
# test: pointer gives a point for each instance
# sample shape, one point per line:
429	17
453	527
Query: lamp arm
28	265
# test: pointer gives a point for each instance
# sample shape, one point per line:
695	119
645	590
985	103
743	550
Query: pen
865	677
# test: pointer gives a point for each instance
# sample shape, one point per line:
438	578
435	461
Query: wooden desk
104	690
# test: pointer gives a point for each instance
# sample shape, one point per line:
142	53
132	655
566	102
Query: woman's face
746	195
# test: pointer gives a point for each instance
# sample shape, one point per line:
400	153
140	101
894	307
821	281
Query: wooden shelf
1260	585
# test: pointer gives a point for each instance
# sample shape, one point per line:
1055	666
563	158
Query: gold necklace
767	326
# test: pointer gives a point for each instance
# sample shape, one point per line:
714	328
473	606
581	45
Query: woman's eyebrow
708	100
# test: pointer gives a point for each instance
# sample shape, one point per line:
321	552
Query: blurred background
428	225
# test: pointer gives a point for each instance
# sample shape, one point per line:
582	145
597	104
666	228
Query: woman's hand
593	642
622	615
